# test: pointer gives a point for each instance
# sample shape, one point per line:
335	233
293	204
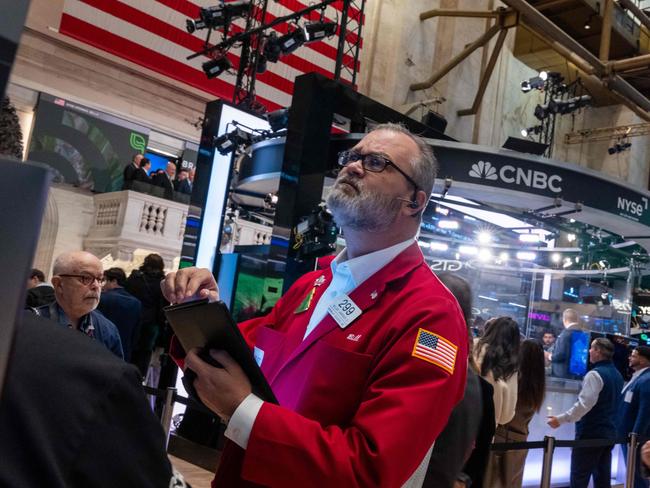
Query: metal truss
349	40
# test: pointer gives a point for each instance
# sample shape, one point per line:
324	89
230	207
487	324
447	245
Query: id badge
344	311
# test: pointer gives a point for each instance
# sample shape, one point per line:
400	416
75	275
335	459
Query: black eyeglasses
85	279
373	163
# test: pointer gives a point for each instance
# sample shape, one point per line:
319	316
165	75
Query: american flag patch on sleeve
436	350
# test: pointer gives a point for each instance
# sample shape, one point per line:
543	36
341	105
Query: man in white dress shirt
595	415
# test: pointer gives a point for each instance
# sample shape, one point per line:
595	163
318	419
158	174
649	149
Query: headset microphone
411	203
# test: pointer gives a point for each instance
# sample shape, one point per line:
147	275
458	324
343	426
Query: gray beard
365	211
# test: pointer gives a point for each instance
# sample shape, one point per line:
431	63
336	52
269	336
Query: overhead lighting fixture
470	250
587	24
526	256
556	257
567	263
292	40
216	67
517	305
534	83
571	237
531	131
619	147
543	75
532	238
484	297
448	224
442	210
218	16
438	246
317	31
504	256
484	237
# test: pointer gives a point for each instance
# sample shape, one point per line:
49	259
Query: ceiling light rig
559	99
268	46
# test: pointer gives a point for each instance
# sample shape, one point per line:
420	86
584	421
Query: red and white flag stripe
151	33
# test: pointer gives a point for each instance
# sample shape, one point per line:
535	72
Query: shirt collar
636	374
85	323
363	267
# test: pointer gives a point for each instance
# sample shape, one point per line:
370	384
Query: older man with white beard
367	357
77	280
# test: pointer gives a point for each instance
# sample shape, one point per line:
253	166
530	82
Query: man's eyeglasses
86	279
372	162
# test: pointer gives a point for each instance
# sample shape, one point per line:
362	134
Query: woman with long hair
507	468
497	355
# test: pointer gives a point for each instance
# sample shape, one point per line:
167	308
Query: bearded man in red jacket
367	358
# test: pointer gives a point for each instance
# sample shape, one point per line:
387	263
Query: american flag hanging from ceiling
152	34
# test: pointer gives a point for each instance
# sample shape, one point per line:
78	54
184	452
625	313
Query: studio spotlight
316	31
217	66
218	16
534	83
292	40
543	75
531	130
619	147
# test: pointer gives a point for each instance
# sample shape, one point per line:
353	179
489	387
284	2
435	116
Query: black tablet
210	326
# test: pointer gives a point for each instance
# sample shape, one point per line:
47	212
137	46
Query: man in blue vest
635	410
595	415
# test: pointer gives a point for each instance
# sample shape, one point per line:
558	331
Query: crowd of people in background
124	314
505	379
169	179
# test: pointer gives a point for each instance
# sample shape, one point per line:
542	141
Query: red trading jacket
357	407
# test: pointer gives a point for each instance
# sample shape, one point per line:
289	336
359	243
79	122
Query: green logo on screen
137	142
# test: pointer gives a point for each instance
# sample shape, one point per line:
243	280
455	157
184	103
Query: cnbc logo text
512	175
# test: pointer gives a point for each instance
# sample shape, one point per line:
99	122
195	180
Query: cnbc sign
513	175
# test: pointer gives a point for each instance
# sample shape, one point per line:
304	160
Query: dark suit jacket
460	438
163	181
40	295
123	309
562	353
635	413
183	186
74	415
128	176
141	175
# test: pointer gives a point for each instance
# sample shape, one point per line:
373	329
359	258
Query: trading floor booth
533	236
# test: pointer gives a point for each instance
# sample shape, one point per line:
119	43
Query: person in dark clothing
466	435
121	308
72	415
595	415
130	171
561	354
166	180
144	284
183	184
142	173
39	292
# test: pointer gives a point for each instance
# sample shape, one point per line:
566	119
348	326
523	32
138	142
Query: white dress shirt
635	375
587	398
347	274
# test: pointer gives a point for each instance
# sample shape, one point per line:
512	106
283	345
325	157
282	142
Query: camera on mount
316	234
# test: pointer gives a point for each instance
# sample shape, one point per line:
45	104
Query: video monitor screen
579	359
158	161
